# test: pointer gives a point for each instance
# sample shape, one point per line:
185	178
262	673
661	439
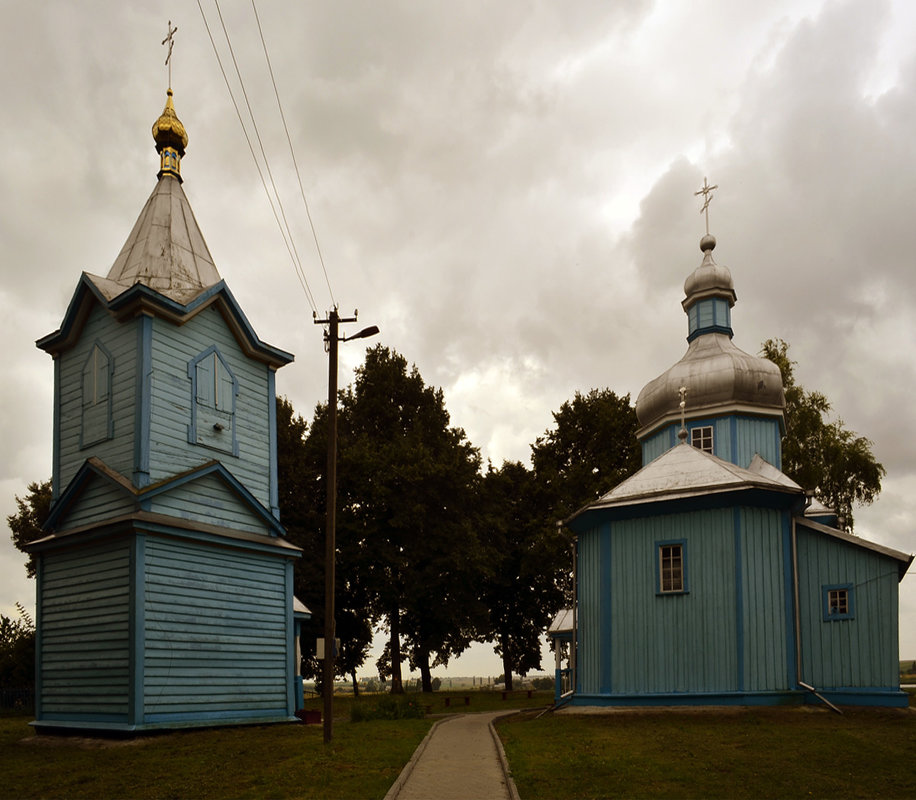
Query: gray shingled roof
165	250
685	471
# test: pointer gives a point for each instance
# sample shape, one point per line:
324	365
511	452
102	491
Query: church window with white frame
701	438
671	563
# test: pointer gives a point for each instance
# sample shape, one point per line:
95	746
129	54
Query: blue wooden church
709	577
164	586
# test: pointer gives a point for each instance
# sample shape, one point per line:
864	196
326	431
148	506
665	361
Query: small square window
701	438
839	601
672	568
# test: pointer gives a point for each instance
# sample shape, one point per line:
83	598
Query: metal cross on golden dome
171	43
706	191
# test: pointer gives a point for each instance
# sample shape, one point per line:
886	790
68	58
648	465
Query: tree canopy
407	486
824	456
528	559
25	524
590	450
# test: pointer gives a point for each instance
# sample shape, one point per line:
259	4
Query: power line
292	153
285	233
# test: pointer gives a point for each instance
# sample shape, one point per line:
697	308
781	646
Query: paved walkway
460	759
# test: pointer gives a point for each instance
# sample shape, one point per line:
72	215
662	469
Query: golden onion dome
168	130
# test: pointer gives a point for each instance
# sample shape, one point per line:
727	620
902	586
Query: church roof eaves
138	298
904	560
685	472
95	466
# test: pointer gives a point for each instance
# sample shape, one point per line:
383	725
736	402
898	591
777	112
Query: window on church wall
701	437
214	388
838	602
671	564
96	420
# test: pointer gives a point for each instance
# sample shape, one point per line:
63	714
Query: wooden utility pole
332	337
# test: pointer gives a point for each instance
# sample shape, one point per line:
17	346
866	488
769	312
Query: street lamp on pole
332	337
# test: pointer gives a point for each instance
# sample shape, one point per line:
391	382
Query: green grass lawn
754	753
291	760
362	762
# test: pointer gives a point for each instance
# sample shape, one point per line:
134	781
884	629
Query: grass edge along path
713	753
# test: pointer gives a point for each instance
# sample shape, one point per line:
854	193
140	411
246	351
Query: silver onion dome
720	377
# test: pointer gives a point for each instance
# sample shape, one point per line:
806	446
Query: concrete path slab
460	759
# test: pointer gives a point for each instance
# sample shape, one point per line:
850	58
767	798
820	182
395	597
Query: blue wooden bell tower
165	584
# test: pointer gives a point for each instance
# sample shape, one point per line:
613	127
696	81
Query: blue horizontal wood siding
173	348
216	626
84	663
98	501
208	500
120	340
859	652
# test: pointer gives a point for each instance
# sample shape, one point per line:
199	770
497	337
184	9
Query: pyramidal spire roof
165	251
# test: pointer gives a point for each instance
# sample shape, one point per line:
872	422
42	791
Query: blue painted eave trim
711	329
95	467
590	518
86	292
92	467
139	294
217	469
140	297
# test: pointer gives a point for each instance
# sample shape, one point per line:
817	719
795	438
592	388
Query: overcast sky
505	188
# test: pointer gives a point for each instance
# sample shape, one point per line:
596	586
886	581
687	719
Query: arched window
97	423
213	391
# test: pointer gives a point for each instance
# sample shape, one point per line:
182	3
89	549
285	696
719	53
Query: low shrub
386	707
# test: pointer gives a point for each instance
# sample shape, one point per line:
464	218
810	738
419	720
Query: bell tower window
96	423
214	388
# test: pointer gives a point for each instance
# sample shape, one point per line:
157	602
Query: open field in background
754	753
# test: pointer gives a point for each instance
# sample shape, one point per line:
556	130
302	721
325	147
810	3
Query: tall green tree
25	524
302	467
833	461
589	450
407	488
528	559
